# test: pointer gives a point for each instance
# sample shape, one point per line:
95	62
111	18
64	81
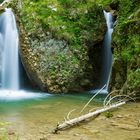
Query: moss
126	40
134	79
80	24
64	19
108	114
65	28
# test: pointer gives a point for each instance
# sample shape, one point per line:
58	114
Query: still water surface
34	119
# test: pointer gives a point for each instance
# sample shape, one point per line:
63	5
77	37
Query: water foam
20	95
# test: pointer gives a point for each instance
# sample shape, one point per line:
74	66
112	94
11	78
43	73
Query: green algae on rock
126	41
60	35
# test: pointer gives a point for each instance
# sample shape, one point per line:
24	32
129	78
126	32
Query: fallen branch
92	98
109	95
126	96
77	120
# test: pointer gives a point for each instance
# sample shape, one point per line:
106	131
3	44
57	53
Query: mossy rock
126	41
58	37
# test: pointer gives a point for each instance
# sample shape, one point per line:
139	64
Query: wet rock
58	62
2	9
114	5
11	132
119	76
126	35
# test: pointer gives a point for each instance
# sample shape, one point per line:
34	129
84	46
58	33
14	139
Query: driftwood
92	98
107	105
72	122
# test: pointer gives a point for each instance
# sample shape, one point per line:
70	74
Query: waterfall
9	51
107	52
106	56
9	61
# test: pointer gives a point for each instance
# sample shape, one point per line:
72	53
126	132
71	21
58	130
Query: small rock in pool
11	133
43	139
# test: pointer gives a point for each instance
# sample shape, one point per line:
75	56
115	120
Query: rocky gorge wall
61	44
126	44
56	50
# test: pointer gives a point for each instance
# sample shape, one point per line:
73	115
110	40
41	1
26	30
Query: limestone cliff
126	43
57	39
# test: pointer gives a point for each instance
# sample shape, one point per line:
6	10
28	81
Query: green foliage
127	39
1	1
134	79
78	23
66	19
3	131
108	114
104	2
75	22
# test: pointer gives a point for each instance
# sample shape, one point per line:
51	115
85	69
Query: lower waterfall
9	56
9	47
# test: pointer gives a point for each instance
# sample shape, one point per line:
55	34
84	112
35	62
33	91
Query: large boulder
56	44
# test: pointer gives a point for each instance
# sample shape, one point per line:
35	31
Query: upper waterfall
106	56
106	52
9	50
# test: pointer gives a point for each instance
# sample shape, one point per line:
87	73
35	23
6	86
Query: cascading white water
106	52
9	47
106	65
9	64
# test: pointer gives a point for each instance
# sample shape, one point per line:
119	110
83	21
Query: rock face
126	42
56	48
119	73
